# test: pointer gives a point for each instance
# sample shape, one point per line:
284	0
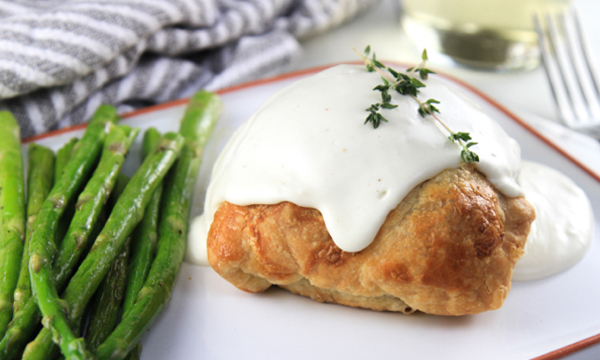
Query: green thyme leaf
460	136
427	107
417	83
385	98
374	116
424	73
469	156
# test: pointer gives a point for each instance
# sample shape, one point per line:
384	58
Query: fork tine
566	70
587	53
557	86
577	54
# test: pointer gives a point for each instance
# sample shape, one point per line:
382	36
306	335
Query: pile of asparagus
90	260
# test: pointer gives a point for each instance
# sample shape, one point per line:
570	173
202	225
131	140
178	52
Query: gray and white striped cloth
60	59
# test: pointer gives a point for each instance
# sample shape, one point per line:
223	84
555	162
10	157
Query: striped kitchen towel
60	59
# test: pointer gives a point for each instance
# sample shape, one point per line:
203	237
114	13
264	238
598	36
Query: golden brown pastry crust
448	248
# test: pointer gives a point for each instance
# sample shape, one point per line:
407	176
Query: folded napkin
60	59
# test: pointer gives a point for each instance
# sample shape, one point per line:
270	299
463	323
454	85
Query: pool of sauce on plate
564	226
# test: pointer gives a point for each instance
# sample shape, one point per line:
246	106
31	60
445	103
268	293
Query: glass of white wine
485	34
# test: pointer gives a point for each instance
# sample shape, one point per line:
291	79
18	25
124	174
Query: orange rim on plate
553	355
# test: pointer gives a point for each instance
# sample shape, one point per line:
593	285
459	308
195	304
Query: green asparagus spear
63	155
39	182
151	139
143	247
198	121
89	204
97	227
107	300
14	351
20	330
25	321
122	181
78	332
127	213
12	214
71	251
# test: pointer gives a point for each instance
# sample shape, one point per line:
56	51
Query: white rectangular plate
208	318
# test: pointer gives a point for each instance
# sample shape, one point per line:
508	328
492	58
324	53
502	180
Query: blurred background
524	89
60	60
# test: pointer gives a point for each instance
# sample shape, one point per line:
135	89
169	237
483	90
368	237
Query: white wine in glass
487	34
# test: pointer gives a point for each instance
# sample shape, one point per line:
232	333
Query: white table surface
525	92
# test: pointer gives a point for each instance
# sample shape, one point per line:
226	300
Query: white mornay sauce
564	226
308	145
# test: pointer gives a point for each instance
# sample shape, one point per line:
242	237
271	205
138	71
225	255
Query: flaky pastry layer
449	248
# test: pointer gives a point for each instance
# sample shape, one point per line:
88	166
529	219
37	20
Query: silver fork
571	70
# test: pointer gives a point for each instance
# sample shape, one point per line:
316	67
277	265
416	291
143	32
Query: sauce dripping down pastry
308	145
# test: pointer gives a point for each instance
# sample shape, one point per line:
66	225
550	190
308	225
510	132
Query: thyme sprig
375	116
406	84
